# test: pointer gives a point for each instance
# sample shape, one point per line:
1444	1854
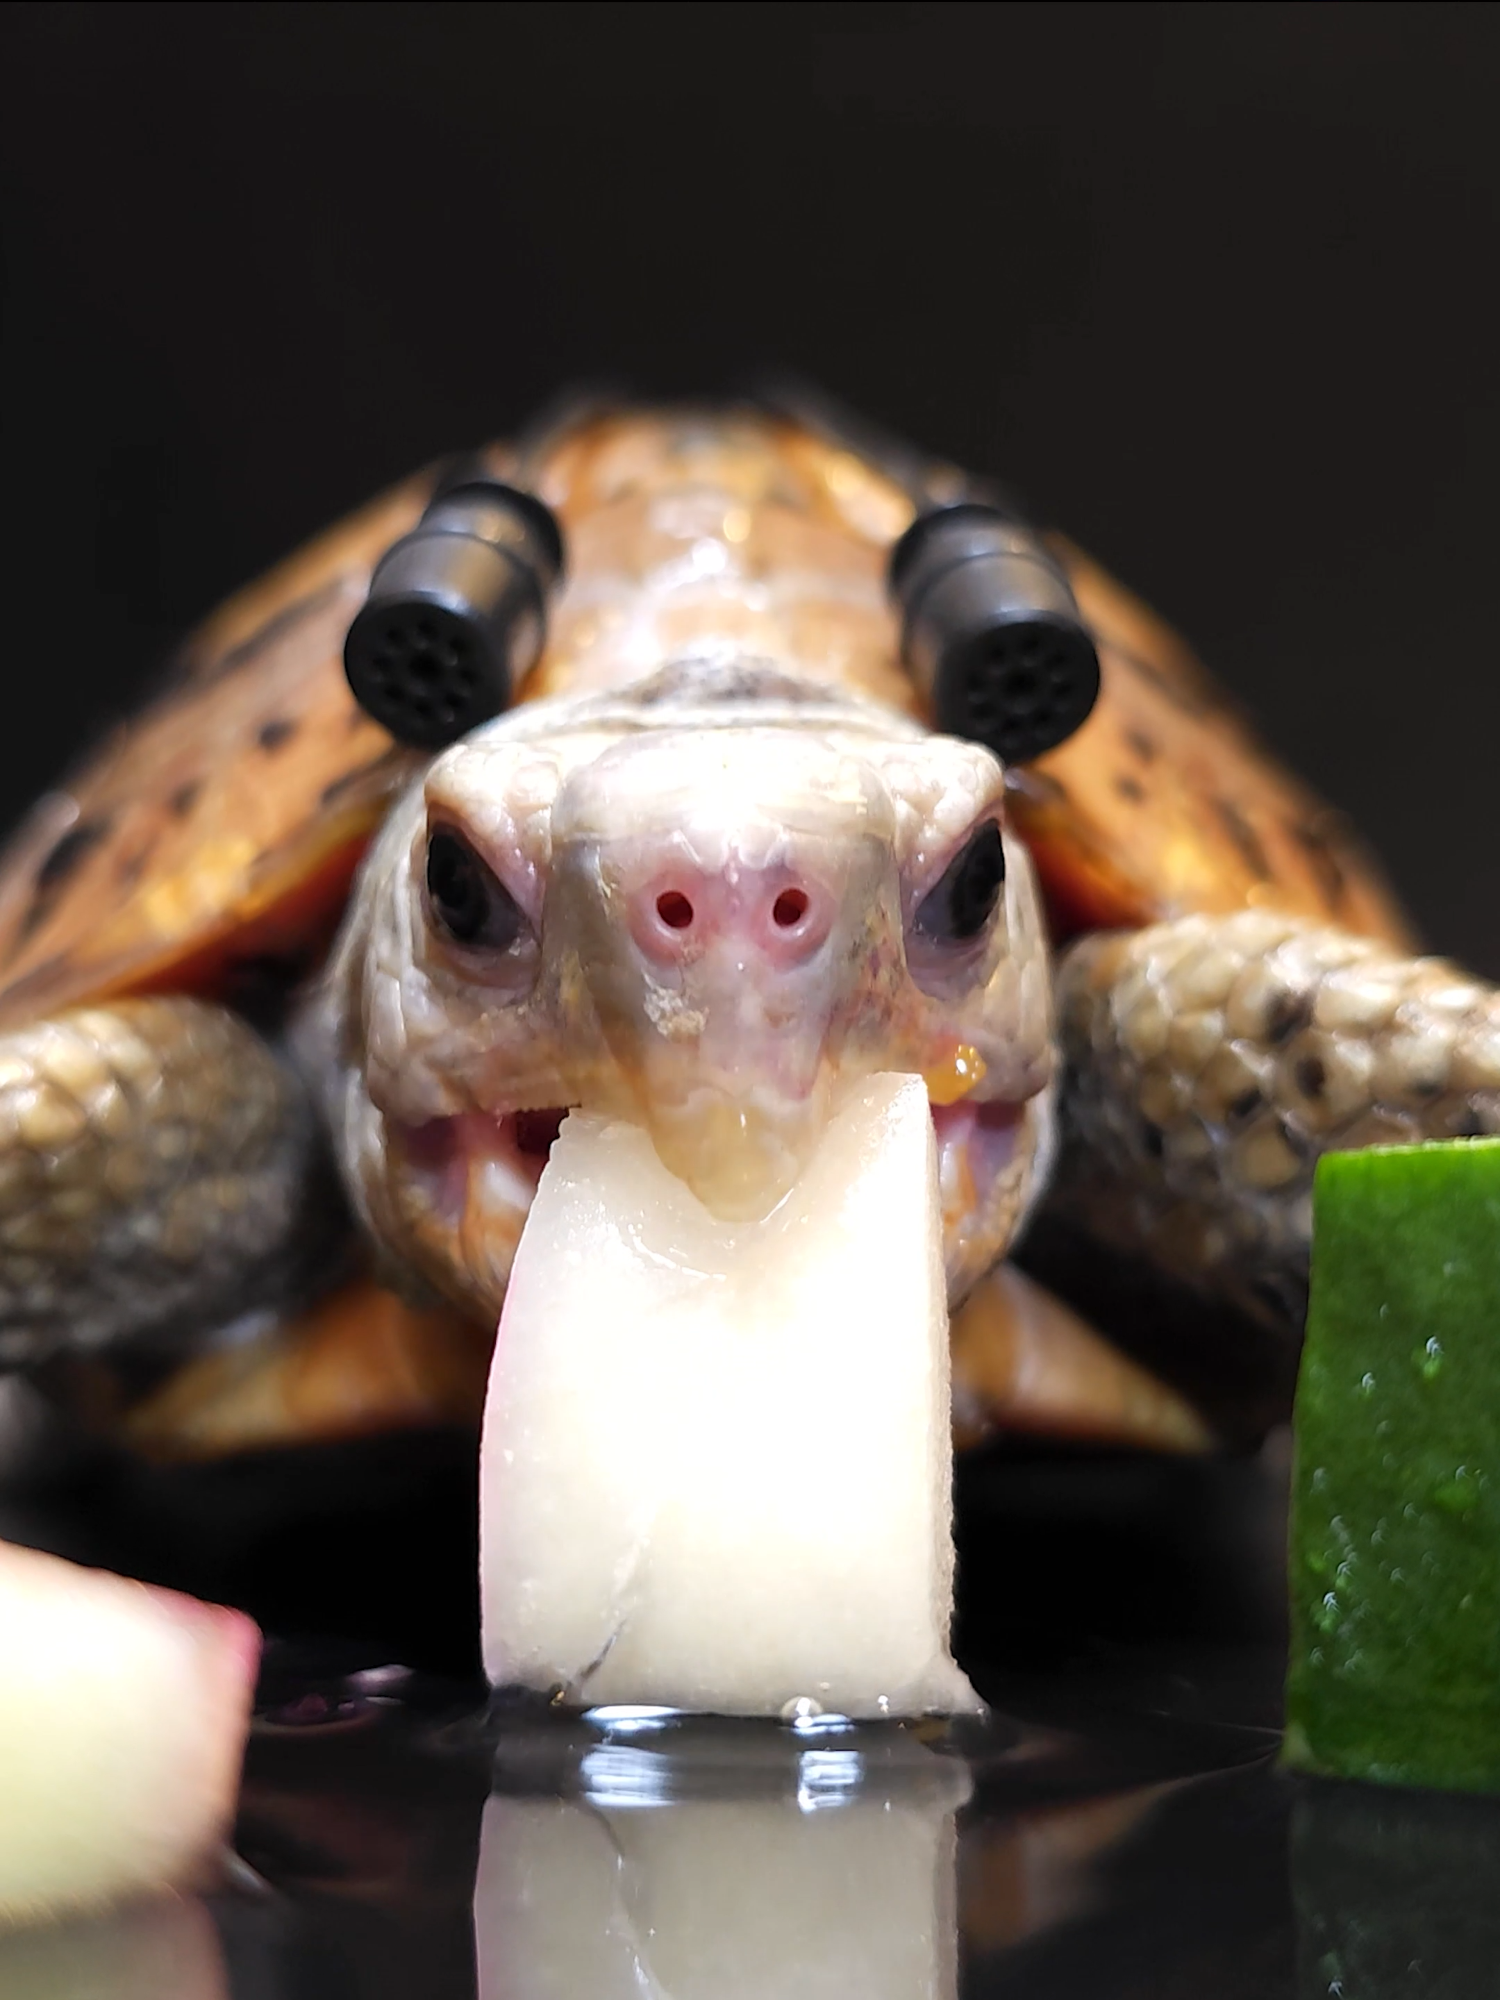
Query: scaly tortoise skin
1235	994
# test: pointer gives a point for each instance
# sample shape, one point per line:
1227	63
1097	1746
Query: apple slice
123	1716
716	1461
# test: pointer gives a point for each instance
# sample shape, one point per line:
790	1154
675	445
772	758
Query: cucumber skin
1394	1570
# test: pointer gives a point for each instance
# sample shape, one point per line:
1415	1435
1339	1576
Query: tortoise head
705	907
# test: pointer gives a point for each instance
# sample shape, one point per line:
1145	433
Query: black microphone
991	630
457	610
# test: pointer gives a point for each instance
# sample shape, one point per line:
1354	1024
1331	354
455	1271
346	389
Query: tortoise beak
739	1156
726	1049
737	958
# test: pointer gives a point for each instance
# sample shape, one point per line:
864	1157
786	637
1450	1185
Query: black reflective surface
1116	1829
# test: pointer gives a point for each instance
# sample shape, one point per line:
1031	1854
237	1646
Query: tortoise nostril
789	908
674	909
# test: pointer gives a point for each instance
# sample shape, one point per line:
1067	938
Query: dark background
1212	284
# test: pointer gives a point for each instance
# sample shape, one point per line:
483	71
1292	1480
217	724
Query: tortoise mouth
475	1175
532	1133
977	1145
513	1145
976	1142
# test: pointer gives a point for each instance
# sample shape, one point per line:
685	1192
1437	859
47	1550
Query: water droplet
801	1708
1429	1360
620	1718
1367	1385
821	1723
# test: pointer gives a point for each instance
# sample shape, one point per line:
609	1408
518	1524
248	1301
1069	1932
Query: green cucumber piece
1394	1575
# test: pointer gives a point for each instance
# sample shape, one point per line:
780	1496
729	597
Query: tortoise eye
468	898
966	897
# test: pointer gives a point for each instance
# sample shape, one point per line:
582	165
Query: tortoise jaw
993	1156
469	1180
739	1150
976	1145
741	1155
467	1185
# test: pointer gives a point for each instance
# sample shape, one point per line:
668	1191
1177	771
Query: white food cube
716	1469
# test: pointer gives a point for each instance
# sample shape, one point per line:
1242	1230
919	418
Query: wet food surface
1116	1828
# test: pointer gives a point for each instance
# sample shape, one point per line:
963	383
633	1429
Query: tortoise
291	1009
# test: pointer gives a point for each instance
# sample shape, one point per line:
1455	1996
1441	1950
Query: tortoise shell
212	840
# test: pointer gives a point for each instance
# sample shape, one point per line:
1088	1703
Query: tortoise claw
1023	1361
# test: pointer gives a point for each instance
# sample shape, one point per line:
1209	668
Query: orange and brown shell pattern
214	837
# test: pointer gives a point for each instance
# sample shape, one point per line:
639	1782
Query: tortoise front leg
161	1174
1023	1361
1210	1061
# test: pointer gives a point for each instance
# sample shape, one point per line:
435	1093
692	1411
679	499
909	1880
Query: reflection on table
637	1855
167	1949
